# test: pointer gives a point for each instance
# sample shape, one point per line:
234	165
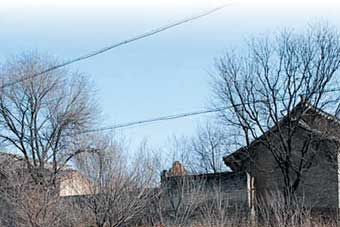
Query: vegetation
45	119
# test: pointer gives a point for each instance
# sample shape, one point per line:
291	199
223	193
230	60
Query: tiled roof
240	153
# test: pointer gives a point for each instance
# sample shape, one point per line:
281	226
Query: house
73	183
70	182
232	188
16	189
319	183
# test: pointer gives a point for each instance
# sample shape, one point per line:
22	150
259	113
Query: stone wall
203	193
232	185
319	185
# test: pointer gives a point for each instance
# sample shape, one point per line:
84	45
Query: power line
163	118
115	45
180	115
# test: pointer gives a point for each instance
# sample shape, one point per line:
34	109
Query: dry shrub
271	211
274	209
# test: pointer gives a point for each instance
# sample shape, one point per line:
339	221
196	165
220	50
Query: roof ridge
322	112
302	104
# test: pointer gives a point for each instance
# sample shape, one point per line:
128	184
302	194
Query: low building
257	173
69	181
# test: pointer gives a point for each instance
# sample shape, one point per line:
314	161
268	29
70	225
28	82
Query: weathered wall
73	183
7	214
319	185
232	185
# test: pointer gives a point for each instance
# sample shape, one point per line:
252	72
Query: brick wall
232	185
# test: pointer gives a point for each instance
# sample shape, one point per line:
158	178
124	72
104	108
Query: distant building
69	182
255	172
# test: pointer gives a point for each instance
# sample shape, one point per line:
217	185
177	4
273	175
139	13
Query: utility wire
177	116
115	45
163	118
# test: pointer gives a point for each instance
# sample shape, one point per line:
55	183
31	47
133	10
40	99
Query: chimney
177	169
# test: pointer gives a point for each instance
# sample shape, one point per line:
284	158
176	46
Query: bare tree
177	149
207	147
120	189
271	90
203	151
179	200
41	117
219	210
24	203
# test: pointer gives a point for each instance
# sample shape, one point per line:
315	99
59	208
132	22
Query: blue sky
164	74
